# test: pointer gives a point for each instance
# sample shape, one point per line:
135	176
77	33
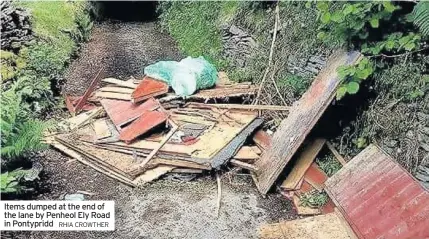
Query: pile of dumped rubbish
135	131
138	130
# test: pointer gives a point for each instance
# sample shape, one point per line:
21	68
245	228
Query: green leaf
389	45
363	74
341	92
321	35
337	17
389	7
410	46
322	6
375	23
342	72
352	87
348	9
308	4
326	17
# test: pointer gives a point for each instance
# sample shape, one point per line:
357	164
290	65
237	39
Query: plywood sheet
303	162
302	117
317	227
380	199
101	129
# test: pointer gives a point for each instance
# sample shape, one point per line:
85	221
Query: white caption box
57	215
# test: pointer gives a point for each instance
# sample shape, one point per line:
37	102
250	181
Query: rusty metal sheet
302	117
123	112
379	198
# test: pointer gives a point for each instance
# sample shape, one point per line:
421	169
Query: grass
50	19
193	25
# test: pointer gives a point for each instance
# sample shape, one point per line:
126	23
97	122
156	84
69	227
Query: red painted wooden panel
315	176
149	87
122	112
143	124
380	199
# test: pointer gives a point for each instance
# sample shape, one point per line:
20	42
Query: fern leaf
420	17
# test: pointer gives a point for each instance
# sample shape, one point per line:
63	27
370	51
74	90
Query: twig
277	88
398	55
270	58
219	193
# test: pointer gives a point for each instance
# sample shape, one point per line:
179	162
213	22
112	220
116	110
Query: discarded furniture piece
303	115
325	226
378	198
148	88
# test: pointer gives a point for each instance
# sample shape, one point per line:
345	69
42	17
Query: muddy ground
166	208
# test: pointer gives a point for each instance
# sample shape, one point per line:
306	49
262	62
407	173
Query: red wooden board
149	87
315	176
143	124
380	199
122	112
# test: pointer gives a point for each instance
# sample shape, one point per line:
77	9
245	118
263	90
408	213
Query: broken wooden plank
147	88
224	92
147	121
116	89
88	92
336	153
316	177
152	174
186	170
123	112
83	118
317	227
232	147
113	95
303	115
303	162
127	84
98	168
250	107
244	165
262	139
246	153
101	129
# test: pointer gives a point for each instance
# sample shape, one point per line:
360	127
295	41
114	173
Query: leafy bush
19	133
359	25
10	181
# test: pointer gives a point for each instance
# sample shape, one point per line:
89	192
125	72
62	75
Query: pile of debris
136	131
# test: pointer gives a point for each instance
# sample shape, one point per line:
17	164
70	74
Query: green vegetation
314	199
10	181
29	74
329	165
360	25
194	26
